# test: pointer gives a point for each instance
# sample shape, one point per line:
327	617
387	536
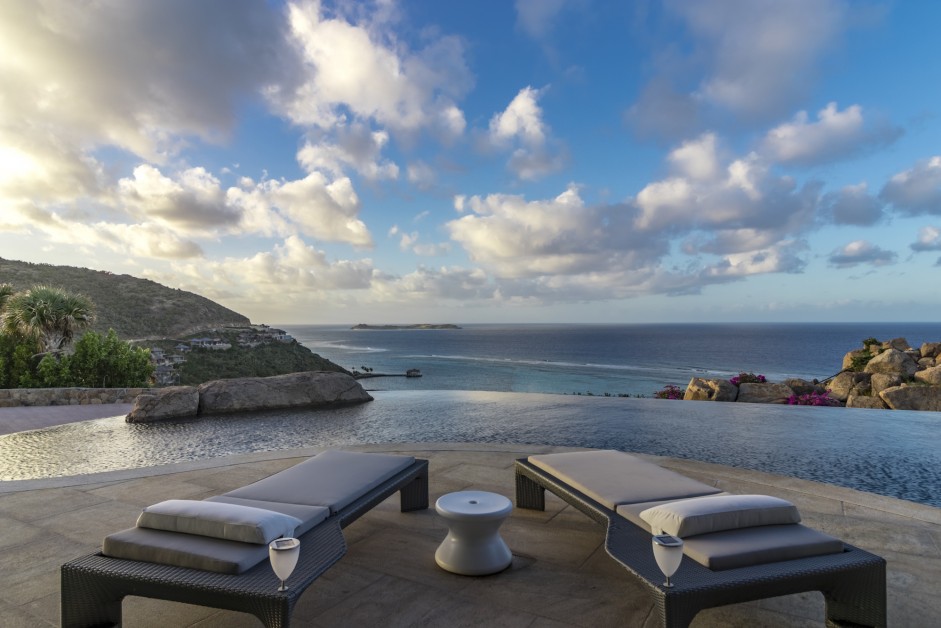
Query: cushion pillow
184	550
613	477
702	515
231	522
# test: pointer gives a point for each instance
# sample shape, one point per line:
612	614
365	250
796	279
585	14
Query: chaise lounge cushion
233	522
308	515
755	546
184	550
702	515
631	512
614	477
332	479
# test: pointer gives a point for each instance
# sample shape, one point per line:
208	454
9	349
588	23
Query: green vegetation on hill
274	358
135	308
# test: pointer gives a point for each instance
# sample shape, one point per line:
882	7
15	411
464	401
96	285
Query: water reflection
891	453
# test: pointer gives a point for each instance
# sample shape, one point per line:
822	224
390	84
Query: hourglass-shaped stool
473	546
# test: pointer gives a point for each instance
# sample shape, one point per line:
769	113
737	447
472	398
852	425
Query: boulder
852	356
864	401
295	390
803	386
158	404
842	384
899	344
894	362
764	393
930	376
710	390
918	397
926	363
930	349
881	381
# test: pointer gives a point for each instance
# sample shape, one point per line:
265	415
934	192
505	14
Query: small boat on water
413	373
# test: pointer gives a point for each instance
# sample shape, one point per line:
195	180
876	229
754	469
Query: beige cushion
222	521
332	479
614	477
631	512
184	550
702	515
755	546
308	515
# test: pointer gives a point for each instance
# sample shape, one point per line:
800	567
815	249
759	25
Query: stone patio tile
28	505
15	617
147	491
16	532
90	525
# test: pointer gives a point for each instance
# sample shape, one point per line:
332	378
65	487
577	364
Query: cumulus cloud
662	110
519	238
420	174
193	202
929	239
360	70
520	125
916	191
356	147
537	17
861	252
760	55
740	203
853	205
835	134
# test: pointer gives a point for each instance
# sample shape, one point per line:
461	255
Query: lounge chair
625	493
162	558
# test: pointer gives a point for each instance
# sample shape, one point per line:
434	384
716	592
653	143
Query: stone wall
15	397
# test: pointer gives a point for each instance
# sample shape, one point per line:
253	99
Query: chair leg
529	494
414	495
85	601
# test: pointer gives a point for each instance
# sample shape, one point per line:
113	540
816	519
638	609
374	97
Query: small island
418	326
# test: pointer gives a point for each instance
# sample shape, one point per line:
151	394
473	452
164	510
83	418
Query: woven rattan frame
93	586
853	582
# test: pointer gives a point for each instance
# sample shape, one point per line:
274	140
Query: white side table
473	546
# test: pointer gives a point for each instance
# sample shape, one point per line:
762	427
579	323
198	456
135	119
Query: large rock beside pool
158	404
913	397
295	390
710	390
893	362
764	393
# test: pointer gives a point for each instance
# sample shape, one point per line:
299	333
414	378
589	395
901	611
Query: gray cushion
332	479
184	550
614	477
233	522
755	546
702	515
631	512
308	515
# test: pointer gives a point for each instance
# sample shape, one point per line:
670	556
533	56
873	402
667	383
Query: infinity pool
891	453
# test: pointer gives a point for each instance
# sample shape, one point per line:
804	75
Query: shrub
748	378
669	392
812	399
858	362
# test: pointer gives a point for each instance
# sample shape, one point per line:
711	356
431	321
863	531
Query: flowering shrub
812	399
748	378
669	392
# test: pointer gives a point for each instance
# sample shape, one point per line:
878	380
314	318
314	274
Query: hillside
135	308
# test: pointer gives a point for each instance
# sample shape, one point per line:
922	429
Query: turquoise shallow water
886	452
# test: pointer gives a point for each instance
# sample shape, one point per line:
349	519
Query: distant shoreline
392	327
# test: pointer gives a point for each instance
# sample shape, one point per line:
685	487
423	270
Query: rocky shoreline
881	375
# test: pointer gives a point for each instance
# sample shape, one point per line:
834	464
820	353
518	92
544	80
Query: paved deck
560	576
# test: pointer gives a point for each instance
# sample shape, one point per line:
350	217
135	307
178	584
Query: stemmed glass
668	550
283	554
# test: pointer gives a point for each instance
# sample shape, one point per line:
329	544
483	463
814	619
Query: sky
527	161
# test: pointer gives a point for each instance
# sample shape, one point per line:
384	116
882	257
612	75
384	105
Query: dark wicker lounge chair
94	586
853	581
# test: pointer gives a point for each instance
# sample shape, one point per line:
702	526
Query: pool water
892	453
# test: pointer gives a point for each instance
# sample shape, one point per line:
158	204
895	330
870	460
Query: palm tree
49	315
6	291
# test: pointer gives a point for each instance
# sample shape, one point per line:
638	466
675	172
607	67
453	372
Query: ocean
596	359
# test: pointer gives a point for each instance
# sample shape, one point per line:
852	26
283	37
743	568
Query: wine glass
668	550
283	554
